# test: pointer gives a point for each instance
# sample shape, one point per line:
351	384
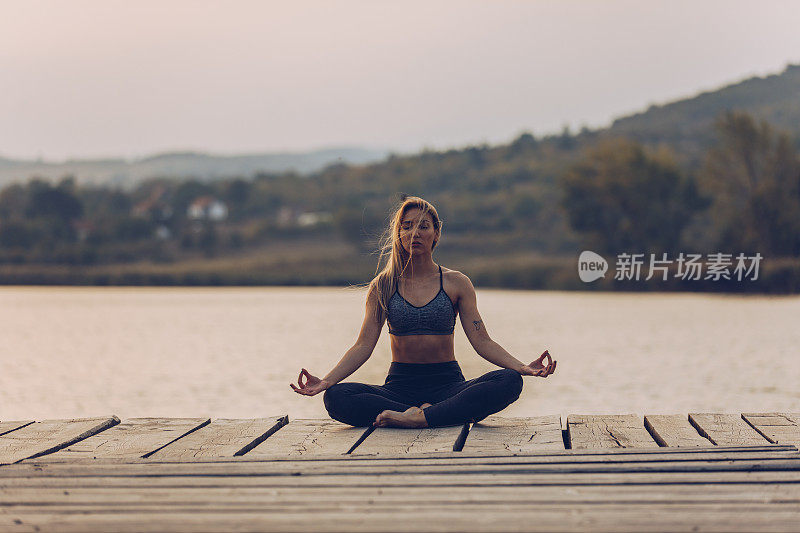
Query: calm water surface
74	352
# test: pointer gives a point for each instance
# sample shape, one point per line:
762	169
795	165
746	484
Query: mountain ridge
184	164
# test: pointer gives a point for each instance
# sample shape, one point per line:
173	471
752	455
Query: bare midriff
422	348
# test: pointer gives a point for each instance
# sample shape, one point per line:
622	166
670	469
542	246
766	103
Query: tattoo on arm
477	324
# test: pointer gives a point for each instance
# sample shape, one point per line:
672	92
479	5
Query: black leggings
453	399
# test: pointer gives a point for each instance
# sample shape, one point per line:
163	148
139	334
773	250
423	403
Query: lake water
231	352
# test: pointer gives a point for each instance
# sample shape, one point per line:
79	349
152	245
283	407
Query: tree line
555	194
745	197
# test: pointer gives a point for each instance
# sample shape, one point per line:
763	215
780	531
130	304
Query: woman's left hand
538	368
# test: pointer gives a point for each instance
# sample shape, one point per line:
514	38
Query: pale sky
101	78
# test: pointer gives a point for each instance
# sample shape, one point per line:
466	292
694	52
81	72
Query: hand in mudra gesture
312	386
538	368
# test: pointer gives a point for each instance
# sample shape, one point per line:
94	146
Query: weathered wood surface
726	429
131	438
489	493
765	457
305	480
187	439
49	435
8	427
495	434
408	441
305	437
200	480
674	430
780	428
608	431
606	455
43	466
298	496
567	517
706	462
223	437
456	456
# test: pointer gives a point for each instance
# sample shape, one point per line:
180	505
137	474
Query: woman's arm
349	363
487	348
356	356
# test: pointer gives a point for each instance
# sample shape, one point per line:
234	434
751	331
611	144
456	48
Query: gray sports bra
437	317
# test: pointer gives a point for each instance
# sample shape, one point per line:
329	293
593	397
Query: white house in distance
291	216
207	207
312	219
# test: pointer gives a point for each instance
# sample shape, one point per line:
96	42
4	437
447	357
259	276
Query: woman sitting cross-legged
425	386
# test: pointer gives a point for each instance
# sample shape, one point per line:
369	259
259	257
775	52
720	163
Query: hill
687	125
203	166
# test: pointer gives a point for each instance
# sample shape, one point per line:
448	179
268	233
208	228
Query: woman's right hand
312	386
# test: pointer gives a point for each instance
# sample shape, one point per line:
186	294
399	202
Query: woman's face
422	241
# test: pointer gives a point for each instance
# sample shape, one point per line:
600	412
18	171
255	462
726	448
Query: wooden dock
695	472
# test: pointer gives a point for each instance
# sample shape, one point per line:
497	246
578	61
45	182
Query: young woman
425	386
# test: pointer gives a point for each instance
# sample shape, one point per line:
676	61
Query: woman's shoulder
453	274
379	284
456	279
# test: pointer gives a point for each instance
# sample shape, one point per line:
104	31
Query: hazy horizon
97	79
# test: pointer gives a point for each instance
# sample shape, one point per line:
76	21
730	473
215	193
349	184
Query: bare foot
424	405
413	417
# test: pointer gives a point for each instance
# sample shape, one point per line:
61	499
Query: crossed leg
358	404
475	399
460	402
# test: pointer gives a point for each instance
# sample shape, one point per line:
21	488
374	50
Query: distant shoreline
525	272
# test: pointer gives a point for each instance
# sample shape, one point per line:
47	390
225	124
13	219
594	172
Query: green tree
235	194
359	226
16	235
127	229
621	198
59	202
753	175
208	239
13	200
53	209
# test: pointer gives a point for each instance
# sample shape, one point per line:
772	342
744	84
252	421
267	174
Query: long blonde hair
397	259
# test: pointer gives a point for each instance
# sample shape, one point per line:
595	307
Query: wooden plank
299	496
515	434
568	517
452	460
452	455
410	441
657	453
372	467
302	437
674	430
780	428
223	437
47	436
608	431
306	468
334	507
8	427
287	496
725	428
132	438
744	480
